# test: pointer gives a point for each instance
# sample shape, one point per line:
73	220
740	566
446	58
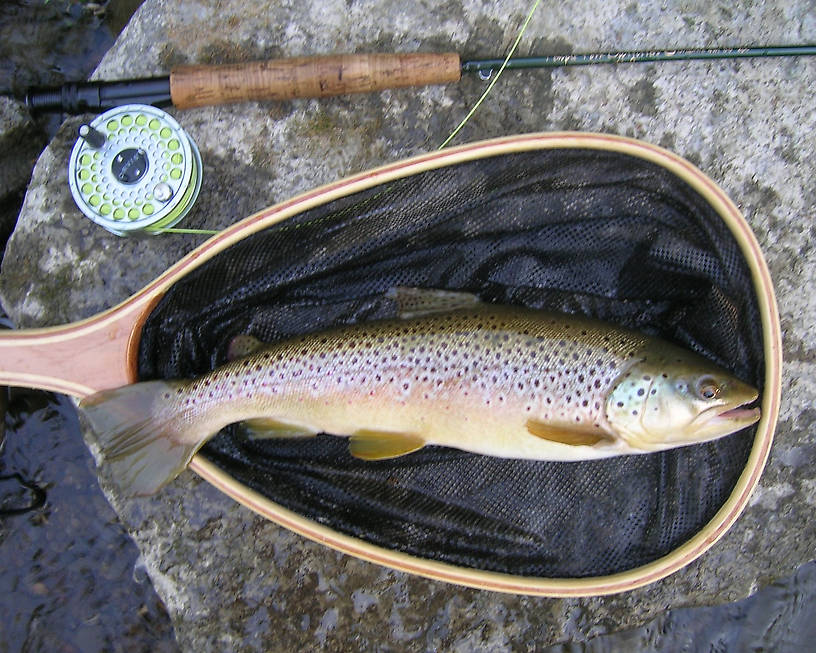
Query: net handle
79	358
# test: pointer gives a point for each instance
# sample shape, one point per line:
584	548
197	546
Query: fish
449	371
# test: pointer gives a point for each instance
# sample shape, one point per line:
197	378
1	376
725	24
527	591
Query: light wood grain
307	77
79	358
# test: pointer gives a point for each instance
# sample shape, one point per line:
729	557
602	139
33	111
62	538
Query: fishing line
496	78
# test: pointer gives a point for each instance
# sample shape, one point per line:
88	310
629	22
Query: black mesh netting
599	233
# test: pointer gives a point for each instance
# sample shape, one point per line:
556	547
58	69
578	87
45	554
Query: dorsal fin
415	302
573	436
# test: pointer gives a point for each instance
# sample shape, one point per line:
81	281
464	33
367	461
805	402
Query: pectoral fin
414	302
573	436
263	428
379	445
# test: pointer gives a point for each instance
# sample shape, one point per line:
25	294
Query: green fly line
496	78
447	140
453	133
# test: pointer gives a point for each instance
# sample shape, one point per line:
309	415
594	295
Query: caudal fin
142	440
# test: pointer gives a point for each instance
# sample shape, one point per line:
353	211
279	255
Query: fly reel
133	170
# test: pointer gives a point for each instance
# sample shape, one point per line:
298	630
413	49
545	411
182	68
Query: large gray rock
234	581
20	144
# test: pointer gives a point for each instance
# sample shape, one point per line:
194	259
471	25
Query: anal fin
262	428
379	445
573	436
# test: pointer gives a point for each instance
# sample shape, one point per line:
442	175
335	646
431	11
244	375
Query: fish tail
143	441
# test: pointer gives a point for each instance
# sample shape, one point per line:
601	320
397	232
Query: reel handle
308	77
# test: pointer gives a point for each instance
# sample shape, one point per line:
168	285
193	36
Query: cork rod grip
305	77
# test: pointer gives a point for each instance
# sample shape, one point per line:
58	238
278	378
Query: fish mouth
734	415
740	414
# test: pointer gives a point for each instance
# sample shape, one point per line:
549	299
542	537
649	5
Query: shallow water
47	42
70	578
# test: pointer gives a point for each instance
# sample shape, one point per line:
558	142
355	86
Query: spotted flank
451	372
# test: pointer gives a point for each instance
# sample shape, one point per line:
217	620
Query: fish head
672	397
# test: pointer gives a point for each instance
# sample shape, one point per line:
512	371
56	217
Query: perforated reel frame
164	165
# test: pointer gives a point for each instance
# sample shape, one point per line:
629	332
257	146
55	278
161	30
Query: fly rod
323	76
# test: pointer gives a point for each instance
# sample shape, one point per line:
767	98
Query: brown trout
493	380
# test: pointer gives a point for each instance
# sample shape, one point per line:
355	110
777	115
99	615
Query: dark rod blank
560	60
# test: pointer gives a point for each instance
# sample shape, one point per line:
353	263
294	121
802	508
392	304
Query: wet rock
20	144
234	581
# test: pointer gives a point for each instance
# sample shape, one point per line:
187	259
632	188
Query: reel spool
134	170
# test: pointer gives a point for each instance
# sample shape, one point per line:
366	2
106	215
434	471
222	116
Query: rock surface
231	580
20	144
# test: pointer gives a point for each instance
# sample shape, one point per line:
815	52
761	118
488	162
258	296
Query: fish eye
707	388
